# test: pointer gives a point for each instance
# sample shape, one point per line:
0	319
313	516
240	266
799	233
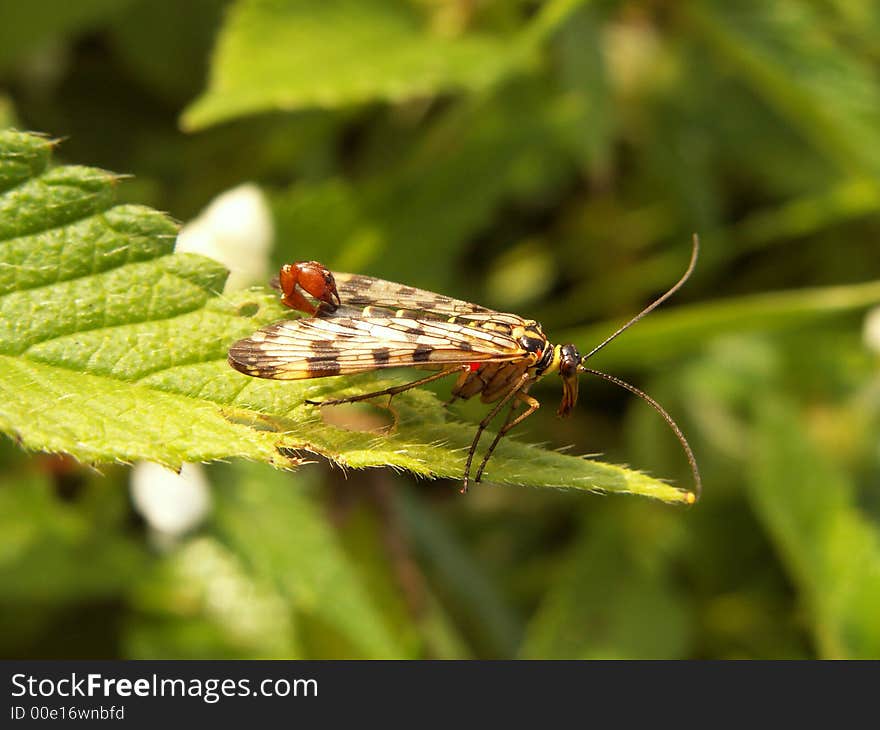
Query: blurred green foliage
549	158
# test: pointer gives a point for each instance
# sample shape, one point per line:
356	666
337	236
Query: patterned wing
365	291
315	348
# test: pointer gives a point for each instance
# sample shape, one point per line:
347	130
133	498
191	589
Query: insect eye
569	360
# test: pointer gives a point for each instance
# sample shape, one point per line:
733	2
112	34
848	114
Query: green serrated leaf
113	348
57	197
28	155
293	55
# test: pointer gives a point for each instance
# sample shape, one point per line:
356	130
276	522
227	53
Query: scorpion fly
361	324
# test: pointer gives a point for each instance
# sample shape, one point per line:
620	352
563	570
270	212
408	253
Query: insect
363	324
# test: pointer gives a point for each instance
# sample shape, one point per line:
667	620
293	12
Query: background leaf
366	50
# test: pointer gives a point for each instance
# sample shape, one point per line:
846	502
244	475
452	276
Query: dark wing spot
466	346
322	344
406	291
381	355
422	353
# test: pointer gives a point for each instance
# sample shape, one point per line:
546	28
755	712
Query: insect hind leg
521	397
514	390
387	391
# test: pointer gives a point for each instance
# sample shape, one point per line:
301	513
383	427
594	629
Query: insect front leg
523	381
388	391
466	374
521	397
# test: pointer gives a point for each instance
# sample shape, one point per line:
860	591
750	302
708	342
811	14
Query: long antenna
651	307
698	482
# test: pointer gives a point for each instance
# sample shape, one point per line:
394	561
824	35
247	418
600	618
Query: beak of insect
569	368
569	395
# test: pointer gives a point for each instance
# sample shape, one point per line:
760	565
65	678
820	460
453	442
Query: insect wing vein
310	348
360	291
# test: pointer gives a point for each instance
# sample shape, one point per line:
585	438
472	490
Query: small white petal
171	503
236	230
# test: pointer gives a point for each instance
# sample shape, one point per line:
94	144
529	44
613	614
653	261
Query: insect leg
533	405
388	391
462	379
524	379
